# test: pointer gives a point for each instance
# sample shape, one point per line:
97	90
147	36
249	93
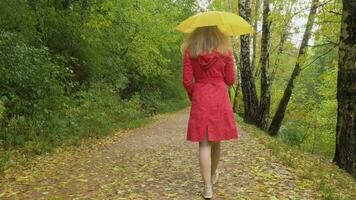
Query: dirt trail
155	162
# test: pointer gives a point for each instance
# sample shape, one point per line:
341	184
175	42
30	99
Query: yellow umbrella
229	23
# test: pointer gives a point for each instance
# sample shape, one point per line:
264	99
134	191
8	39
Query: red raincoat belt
210	80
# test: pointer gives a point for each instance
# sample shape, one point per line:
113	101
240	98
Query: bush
294	134
30	81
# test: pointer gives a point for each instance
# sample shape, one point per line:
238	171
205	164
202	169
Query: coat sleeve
188	75
229	70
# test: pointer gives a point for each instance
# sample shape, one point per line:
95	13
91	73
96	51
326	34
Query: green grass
332	182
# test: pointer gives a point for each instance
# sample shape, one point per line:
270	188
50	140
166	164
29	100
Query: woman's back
211	65
211	107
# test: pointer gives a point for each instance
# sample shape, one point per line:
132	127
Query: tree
345	153
247	82
285	26
279	115
238	83
265	99
254	45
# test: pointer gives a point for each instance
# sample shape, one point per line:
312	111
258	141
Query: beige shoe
215	176
208	192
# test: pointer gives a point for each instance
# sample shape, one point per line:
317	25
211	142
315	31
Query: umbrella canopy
229	23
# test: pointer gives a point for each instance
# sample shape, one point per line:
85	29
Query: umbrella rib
222	20
232	30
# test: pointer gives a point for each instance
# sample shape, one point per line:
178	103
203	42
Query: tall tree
285	29
345	153
279	115
254	37
247	81
265	100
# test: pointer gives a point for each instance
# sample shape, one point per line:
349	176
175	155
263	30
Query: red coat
210	104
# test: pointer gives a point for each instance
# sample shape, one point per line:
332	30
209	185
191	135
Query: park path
155	162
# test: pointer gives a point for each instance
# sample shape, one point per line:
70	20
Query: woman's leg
205	160
215	156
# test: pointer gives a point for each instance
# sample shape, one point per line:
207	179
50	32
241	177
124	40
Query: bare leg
215	156
205	160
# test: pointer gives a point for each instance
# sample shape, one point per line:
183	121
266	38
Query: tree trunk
279	52
345	153
279	115
254	45
238	85
282	41
247	82
66	4
265	100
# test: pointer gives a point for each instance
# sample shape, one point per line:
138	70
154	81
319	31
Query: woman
208	59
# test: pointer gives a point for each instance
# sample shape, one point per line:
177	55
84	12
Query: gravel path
154	162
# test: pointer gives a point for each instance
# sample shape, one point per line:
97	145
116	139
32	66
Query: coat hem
197	140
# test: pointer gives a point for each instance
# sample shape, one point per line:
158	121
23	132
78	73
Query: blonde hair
205	40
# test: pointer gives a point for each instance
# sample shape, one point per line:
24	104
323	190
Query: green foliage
293	134
17	17
2	110
85	68
31	82
314	104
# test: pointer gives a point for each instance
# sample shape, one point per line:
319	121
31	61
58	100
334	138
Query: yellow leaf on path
2	194
82	180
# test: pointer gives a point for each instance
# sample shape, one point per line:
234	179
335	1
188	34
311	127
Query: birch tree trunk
279	115
247	81
284	37
345	153
254	39
279	52
238	85
265	99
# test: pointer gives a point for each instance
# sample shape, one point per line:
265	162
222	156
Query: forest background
76	69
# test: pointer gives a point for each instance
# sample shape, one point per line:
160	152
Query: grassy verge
332	182
98	116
